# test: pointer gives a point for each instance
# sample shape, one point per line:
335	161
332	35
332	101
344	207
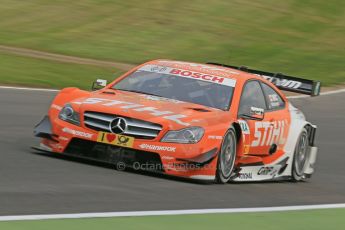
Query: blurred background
298	37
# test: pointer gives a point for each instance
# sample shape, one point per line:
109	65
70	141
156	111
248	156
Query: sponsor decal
115	139
214	70
63	138
273	97
275	104
245	176
267	170
156	98
158	69
298	113
282	82
215	137
157	148
244	126
167	158
246	149
190	74
256	111
56	146
274	100
168	115
267	133
77	133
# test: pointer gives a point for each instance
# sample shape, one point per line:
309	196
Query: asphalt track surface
36	184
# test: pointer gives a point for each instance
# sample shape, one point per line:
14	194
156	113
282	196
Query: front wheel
301	156
226	157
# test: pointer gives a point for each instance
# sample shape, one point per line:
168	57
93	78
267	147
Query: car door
254	131
278	117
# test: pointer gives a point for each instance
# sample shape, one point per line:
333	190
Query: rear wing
283	82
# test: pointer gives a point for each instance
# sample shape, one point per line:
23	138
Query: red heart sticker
111	137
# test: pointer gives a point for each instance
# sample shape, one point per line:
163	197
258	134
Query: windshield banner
189	74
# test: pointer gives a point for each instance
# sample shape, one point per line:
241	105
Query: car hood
167	112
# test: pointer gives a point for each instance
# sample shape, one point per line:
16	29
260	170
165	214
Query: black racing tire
301	157
226	157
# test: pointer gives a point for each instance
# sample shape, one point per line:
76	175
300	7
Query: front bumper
61	137
44	129
114	154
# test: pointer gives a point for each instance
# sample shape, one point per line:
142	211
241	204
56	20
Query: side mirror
255	114
99	84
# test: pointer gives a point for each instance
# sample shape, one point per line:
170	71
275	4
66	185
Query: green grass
299	220
15	70
303	38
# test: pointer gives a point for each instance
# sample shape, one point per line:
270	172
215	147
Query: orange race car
200	121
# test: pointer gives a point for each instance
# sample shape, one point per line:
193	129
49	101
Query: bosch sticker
189	74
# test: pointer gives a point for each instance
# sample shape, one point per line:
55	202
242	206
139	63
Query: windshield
179	85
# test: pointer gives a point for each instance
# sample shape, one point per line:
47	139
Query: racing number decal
115	139
244	126
245	135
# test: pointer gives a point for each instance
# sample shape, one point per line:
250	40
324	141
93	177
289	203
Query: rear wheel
301	156
226	157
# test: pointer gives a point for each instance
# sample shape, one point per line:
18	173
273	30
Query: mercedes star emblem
118	125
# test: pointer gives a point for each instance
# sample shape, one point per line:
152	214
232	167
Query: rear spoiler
283	82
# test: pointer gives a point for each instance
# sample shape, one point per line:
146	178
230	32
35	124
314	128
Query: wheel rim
227	156
301	156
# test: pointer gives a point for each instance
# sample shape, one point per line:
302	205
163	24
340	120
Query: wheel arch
238	130
298	123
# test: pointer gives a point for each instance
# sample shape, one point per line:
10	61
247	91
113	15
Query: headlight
68	114
186	136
